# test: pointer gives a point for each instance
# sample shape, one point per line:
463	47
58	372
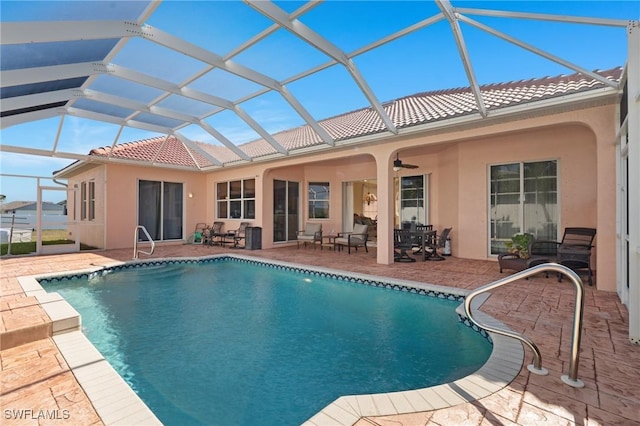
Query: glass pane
149	209
92	200
172	211
409	194
412	210
293	221
505	205
413	182
318	191
235	209
250	188
222	191
541	199
319	210
222	210
250	209
279	210
235	189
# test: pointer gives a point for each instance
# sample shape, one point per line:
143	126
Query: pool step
63	316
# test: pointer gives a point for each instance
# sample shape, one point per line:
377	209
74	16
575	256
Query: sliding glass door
160	209
523	199
286	204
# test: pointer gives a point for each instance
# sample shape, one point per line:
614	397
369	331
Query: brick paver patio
35	377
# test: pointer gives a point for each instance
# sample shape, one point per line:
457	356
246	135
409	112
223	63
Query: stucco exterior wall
572	146
90	232
122	200
457	162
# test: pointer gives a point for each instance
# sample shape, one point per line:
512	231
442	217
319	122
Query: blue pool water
231	342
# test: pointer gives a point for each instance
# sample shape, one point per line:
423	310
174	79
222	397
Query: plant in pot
519	245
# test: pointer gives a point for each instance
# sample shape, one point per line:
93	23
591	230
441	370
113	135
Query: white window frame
242	200
311	201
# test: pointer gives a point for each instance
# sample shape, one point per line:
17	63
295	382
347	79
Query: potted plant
519	245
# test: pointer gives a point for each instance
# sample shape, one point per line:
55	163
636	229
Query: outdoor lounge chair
574	251
312	233
355	238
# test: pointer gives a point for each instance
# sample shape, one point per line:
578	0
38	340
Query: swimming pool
340	337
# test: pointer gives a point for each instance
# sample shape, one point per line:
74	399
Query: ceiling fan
397	164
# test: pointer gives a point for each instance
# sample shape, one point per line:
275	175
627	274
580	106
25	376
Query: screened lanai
220	76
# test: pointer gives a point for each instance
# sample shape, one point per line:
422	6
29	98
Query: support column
385	209
633	82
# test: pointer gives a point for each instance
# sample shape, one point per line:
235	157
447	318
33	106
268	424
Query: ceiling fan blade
397	164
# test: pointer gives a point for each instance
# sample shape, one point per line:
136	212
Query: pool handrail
135	242
572	378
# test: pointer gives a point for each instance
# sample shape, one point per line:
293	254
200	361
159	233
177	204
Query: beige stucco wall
574	148
122	199
457	163
90	232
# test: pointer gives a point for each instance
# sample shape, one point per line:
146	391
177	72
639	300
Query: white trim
633	87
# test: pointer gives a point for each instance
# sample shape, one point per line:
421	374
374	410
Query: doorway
360	202
54	223
286	210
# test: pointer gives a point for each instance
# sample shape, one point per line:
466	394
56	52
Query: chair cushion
360	229
312	228
356	240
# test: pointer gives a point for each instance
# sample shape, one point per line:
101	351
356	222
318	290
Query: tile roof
412	110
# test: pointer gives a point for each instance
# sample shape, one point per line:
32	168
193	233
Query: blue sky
422	61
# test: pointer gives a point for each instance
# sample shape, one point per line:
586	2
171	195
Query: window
523	199
83	201
318	200
92	200
160	209
87	201
413	201
236	199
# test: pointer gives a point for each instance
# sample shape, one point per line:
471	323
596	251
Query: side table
329	241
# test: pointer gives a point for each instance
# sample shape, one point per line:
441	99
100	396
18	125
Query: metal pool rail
135	242
572	378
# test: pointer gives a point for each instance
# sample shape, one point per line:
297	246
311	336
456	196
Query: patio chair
432	246
574	251
312	233
198	234
239	234
357	237
402	244
420	232
214	234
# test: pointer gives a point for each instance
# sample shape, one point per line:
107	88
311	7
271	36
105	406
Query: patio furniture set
312	234
215	235
574	252
420	240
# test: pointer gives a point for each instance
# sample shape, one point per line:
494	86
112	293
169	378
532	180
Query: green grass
49	237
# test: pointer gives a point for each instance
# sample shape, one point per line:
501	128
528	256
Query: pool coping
116	403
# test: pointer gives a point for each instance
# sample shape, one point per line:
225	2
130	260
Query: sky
421	61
